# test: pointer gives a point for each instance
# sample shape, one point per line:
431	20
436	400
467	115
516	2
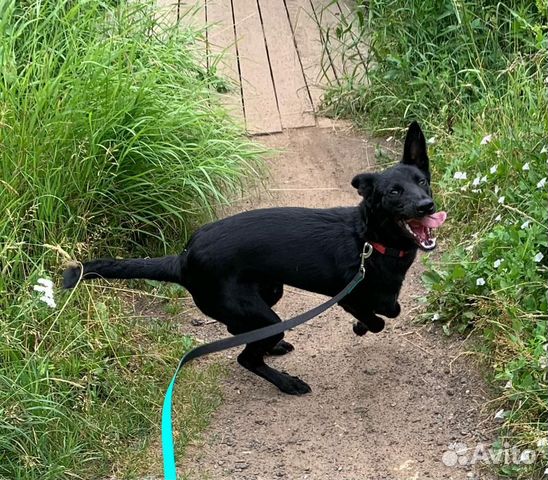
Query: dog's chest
386	275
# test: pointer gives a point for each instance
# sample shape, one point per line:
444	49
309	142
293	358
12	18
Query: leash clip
366	253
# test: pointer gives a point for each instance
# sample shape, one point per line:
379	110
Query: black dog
236	268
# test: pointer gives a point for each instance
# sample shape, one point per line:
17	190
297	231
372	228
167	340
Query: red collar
391	252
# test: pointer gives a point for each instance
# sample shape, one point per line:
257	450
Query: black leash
168	451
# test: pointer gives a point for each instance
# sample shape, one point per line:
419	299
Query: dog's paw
359	329
391	311
375	324
292	385
281	348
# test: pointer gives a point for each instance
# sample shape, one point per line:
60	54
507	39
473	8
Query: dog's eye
395	191
422	181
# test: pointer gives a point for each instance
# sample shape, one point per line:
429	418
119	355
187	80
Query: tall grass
475	74
111	142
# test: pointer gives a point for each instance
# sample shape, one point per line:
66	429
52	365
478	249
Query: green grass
112	142
466	71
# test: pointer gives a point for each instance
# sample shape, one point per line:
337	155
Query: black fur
236	268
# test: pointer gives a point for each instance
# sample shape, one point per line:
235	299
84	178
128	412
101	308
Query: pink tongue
433	221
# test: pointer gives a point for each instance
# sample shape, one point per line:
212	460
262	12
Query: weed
475	74
111	142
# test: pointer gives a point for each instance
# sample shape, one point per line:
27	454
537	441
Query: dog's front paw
390	311
394	311
375	324
360	329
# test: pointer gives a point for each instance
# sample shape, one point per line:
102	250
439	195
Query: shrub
474	73
111	142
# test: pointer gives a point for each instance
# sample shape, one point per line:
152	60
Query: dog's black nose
426	207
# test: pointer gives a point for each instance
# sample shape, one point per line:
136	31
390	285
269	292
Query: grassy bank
474	73
111	143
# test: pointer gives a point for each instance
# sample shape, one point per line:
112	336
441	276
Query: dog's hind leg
271	294
249	312
242	308
252	358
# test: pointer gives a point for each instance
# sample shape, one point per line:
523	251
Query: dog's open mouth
420	229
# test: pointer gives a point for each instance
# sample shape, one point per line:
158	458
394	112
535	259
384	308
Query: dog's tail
165	269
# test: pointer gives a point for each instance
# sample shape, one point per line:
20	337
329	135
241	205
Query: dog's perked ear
414	151
365	184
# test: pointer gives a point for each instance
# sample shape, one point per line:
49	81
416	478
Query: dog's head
398	201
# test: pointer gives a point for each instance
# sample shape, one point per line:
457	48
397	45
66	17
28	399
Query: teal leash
168	447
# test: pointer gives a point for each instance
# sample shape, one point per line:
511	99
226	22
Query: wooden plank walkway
223	55
272	52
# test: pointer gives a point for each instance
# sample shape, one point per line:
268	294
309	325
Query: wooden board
222	53
317	71
327	16
167	11
273	51
192	13
260	106
294	102
188	13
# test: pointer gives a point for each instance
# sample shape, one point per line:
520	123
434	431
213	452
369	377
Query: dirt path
384	406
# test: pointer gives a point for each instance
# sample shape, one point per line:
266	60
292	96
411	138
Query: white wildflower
497	189
476	181
544	149
435	317
501	200
46	282
497	262
493	169
485	140
431	140
45	286
538	257
50	302
498	218
480	281
483	179
541	183
525	224
460	176
508	385
476	190
501	414
526	166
